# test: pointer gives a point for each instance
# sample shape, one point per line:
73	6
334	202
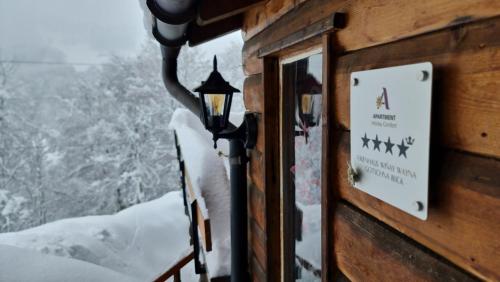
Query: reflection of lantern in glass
309	103
310	108
215	97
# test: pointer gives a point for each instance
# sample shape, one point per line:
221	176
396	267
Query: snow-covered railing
202	220
205	187
200	225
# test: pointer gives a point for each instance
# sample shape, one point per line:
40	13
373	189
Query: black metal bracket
246	133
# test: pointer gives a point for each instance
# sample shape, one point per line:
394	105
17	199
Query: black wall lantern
216	96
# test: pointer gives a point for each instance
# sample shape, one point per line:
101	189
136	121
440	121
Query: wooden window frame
272	76
287	190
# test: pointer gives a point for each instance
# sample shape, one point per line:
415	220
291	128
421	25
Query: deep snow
136	244
20	265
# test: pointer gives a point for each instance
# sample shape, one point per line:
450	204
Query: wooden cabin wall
372	240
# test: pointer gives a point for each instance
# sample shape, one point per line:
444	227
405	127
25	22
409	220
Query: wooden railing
175	270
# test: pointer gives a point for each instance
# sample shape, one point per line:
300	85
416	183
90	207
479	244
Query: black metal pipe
239	240
171	81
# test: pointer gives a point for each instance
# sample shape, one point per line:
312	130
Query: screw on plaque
422	75
352	174
418	206
355	82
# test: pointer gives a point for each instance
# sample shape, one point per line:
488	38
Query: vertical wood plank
328	160
272	167
287	108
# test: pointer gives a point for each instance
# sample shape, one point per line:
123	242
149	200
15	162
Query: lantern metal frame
220	125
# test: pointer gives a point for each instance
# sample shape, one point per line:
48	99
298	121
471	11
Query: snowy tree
13	210
93	141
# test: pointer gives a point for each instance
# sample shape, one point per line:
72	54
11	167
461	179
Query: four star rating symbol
365	141
376	143
402	149
388	145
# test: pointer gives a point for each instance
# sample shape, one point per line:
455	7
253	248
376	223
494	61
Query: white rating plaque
390	134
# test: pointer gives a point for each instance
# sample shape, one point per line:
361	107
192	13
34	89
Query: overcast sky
73	30
84	30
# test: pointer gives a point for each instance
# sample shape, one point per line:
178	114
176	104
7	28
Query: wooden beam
329	146
369	22
201	34
211	11
271	170
335	21
369	251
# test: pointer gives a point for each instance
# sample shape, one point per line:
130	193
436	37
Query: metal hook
352	174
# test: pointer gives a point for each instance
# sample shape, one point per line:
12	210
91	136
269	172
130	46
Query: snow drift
19	265
137	243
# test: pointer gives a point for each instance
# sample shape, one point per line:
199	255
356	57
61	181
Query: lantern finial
215	62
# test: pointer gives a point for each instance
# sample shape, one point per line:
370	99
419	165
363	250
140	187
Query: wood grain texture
370	22
253	97
256	170
463	222
253	93
213	11
258	242
256	17
257	272
466	60
257	206
369	251
333	22
200	34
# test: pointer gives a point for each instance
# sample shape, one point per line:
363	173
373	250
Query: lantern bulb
215	104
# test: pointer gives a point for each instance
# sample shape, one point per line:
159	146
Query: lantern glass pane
310	106
215	104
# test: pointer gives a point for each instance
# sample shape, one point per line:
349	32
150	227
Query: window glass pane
304	81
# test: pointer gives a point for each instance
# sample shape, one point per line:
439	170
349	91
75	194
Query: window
301	168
